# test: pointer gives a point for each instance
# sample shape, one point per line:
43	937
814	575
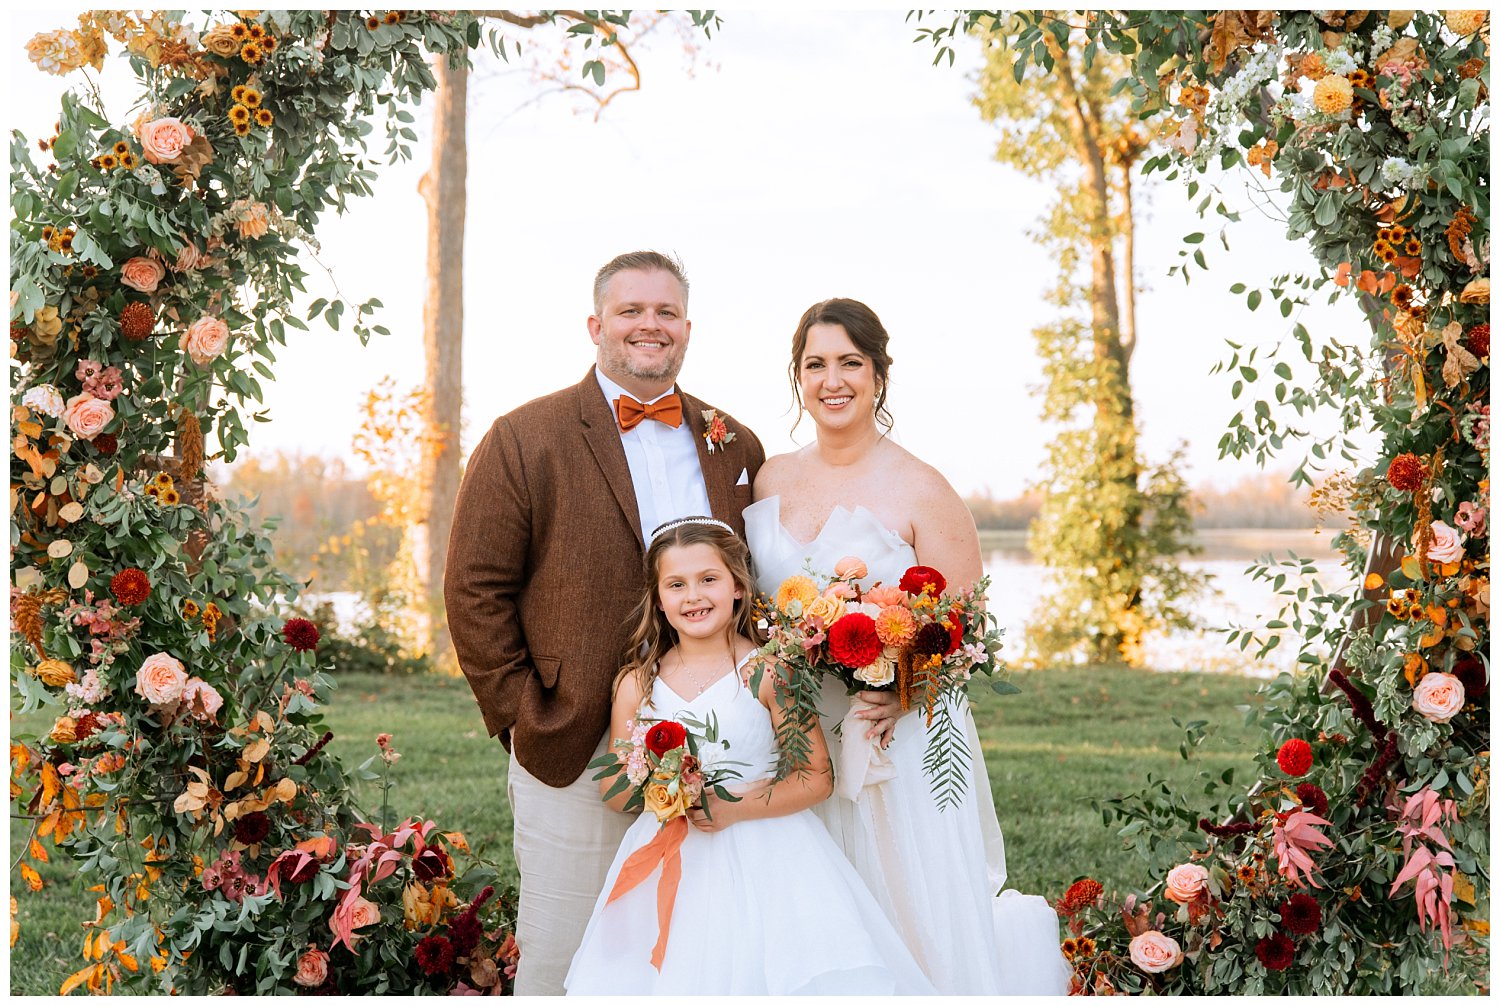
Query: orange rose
56	673
163	140
886	596
364	913
142	274
161	679
87	416
205	339
1186	883
851	567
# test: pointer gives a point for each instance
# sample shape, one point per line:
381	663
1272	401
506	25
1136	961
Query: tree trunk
444	189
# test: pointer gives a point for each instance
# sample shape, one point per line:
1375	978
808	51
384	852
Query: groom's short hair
644	261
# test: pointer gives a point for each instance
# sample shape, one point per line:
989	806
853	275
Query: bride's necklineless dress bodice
778	554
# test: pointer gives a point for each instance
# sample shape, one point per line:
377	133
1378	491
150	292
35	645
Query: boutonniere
715	431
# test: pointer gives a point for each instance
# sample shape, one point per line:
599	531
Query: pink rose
1186	883
161	679
1447	545
364	913
205	339
142	274
1154	952
201	698
1438	697
851	567
87	416
163	140
312	968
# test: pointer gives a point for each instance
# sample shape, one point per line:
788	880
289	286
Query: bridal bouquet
666	765
911	638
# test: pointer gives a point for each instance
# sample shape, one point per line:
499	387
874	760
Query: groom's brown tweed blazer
545	563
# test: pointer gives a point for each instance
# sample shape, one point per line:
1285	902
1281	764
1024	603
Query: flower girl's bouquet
911	638
666	765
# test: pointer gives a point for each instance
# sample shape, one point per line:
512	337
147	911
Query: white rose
881	672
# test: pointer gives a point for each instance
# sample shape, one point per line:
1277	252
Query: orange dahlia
795	588
1079	896
1333	94
136	321
895	626
1406	472
130	586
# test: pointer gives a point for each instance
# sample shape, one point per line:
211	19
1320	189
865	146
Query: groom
545	563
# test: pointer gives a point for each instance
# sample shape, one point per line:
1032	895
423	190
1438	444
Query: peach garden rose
205	339
163	140
1438	697
1154	952
1447	545
1186	883
312	968
143	274
161	679
87	416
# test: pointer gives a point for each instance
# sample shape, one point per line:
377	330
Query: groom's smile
642	331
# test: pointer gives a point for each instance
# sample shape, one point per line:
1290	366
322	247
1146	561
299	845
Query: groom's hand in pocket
887	709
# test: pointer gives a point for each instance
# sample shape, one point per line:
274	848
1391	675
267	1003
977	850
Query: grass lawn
1070	737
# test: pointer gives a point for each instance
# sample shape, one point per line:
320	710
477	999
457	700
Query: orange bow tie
667	409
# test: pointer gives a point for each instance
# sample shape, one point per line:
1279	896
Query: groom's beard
618	361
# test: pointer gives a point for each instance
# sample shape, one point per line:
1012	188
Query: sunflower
1384	234
263	117
153	490
169	497
1413	247
190	608
163	479
239	114
252	53
250	98
393	17
1402	296
237	93
1246	873
109	162
242	129
128	161
372	23
257	32
1386	254
239	32
269	43
122	148
1398	233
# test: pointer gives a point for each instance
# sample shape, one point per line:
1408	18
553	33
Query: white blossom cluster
1381	39
1398	171
1339	61
1225	107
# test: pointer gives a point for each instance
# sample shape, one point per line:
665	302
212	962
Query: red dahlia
130	586
918	578
1295	757
1301	914
1079	896
1406	472
1478	339
1276	952
665	736
300	634
932	640
86	727
1313	798
252	828
435	955
136	321
853	642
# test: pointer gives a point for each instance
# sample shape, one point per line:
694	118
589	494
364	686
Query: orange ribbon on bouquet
666	849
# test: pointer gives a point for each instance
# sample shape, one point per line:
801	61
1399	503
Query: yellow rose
795	588
56	673
1333	94
65	730
1464	22
665	804
829	609
1477	292
220	42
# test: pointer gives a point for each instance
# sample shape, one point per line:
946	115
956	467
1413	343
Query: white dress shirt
663	463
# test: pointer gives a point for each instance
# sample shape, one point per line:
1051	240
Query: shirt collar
612	391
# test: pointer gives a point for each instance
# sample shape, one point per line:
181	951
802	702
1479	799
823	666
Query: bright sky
822	155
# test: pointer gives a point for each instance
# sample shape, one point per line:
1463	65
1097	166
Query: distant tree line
1266	501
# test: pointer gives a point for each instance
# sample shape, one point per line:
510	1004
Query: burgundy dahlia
1313	798
300	634
252	828
1469	670
932	640
430	864
1478	339
435	955
1301	914
106	443
1276	952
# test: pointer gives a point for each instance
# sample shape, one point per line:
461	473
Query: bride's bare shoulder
776	474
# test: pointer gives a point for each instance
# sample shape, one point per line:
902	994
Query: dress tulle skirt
765	907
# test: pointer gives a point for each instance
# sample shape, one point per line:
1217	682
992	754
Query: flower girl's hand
883	717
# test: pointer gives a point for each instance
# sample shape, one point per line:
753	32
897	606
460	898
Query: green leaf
1253	301
1194	238
1004	688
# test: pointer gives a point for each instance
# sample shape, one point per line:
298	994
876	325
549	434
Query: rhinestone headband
671	524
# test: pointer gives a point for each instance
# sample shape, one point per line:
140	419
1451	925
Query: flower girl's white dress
768	906
937	873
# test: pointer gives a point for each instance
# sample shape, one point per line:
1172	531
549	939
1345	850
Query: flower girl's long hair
653	636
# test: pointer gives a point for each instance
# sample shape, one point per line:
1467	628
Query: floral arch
152	277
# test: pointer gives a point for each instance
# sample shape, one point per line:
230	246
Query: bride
936	873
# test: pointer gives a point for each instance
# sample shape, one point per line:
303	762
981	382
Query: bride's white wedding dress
937	873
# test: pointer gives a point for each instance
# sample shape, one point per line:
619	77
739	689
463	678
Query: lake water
1017	581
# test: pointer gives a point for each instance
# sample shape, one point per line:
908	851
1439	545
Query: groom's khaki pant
565	840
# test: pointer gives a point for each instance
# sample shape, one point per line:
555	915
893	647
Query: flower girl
710	894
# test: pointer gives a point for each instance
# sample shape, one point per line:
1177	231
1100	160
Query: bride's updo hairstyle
865	331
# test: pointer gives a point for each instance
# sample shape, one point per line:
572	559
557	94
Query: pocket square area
744	477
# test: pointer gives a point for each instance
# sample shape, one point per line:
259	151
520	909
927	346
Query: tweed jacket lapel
603	435
718	472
